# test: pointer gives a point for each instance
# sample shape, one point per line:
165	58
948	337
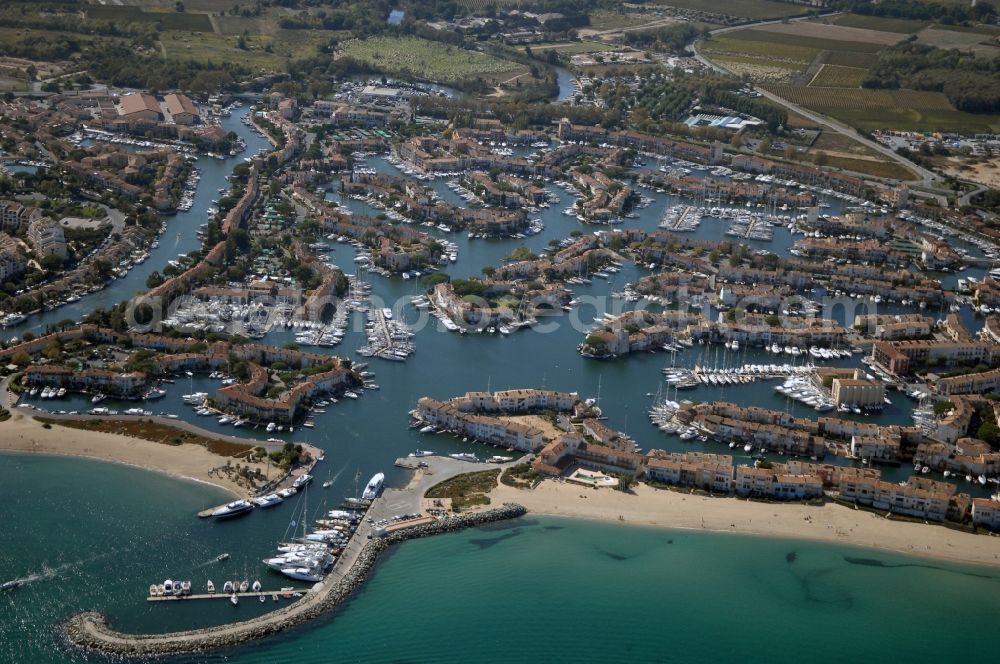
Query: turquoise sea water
534	589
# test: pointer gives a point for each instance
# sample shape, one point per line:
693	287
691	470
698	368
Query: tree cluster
971	83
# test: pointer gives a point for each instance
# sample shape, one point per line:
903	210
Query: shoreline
830	523
90	631
22	434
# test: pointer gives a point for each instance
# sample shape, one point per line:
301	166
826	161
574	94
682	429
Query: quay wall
91	631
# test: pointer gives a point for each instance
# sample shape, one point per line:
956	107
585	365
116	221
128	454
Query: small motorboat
256	586
244	586
228	587
222	556
261	599
233	599
211	586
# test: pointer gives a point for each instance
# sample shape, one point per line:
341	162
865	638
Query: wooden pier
281	594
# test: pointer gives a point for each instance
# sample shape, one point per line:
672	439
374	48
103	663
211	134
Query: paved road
408	499
966	199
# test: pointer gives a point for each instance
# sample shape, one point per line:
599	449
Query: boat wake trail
49	573
339	473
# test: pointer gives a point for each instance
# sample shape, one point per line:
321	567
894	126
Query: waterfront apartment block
712	472
830	475
12	263
14	216
875	448
46	238
919	497
966	456
858	392
357	116
973	383
902	358
246	400
894	327
484	428
765	482
986	513
125	385
573	449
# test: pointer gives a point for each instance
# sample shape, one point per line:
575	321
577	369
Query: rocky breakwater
91	631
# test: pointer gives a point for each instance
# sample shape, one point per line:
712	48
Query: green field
760	61
847	59
900	25
881	168
170	20
214	6
574	47
902	110
211	47
782	40
218	49
834	76
729	44
755	9
428	60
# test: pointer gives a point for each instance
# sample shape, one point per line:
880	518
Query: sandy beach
647	506
23	433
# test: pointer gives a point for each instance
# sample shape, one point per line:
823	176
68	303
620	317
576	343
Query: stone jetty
91	630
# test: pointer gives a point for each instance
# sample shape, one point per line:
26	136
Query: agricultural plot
752	9
480	5
901	25
758	69
428	60
612	20
881	168
732	45
210	47
837	33
835	76
214	6
980	44
903	110
575	47
782	40
169	20
851	59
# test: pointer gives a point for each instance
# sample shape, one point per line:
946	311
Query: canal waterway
98	534
372	431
